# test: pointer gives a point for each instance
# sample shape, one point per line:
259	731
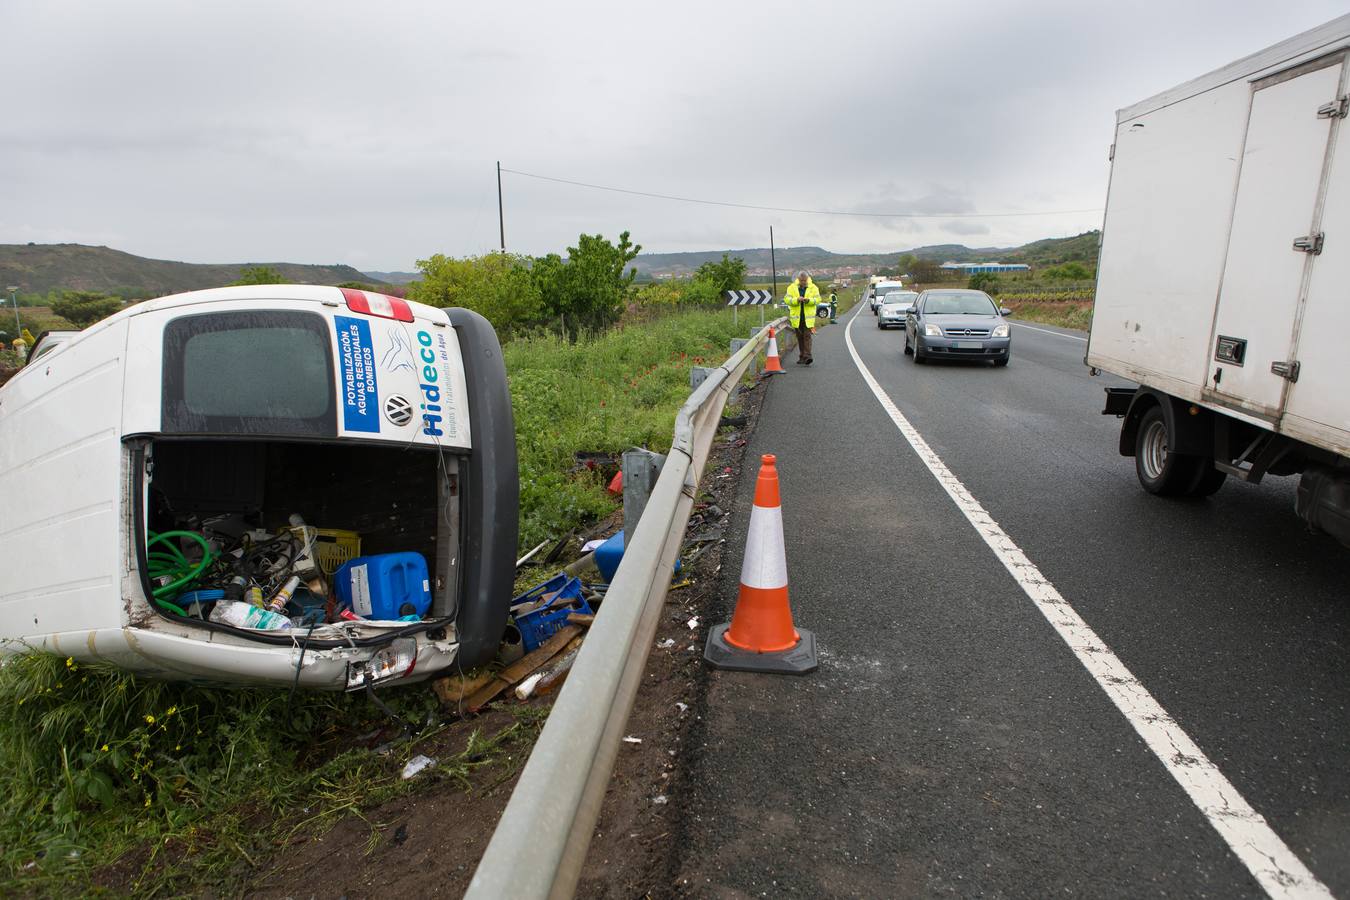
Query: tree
260	275
726	275
906	263
588	290
925	270
498	286
84	308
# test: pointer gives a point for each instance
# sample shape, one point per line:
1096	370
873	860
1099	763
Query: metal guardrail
541	841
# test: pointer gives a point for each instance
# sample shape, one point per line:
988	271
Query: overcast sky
367	133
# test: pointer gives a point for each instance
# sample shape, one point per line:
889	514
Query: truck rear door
1317	408
1256	324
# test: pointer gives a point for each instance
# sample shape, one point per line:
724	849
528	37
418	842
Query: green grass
1077	315
604	393
182	786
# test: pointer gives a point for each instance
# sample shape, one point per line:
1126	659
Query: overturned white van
231	409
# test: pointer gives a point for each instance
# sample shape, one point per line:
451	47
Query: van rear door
350	366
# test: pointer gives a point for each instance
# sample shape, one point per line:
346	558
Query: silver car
958	324
894	307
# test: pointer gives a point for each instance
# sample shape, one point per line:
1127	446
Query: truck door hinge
1336	109
1287	370
1309	243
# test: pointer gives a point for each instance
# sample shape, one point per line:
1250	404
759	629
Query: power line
813	212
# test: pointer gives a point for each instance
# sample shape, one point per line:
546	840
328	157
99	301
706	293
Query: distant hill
1048	252
39	268
396	277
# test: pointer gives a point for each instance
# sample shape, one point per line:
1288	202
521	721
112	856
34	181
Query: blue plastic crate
538	624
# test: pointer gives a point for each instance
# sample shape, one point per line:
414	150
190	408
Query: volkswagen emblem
398	410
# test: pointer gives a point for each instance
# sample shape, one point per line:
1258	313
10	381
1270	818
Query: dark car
957	324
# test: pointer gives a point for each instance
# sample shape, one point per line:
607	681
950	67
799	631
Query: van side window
258	373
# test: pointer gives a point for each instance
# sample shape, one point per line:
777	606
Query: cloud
307	130
964	227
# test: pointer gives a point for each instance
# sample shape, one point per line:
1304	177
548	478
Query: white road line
1072	337
1248	835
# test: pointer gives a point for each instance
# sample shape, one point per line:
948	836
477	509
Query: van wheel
1161	471
1208	479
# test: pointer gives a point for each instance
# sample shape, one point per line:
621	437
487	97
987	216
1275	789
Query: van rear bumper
215	659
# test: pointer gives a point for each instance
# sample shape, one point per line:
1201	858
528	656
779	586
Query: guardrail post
738	343
641	468
698	375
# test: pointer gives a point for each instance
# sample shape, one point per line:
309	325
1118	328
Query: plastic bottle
283	596
255	597
304	564
242	615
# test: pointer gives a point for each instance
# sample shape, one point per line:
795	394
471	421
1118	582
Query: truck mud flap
491	493
1323	501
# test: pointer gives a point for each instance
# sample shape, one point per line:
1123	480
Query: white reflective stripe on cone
765	564
773	346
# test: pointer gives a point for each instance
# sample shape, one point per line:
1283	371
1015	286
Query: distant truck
1223	276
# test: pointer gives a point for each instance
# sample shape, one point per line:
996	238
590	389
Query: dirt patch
425	844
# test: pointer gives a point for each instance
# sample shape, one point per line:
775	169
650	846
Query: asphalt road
952	743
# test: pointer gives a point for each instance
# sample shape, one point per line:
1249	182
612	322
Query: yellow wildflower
105	748
150	720
70	662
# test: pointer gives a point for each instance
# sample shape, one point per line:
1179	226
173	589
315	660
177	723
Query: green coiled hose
170	562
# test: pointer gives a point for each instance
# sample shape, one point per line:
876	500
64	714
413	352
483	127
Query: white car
894	307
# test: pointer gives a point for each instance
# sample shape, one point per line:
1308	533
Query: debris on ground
526	666
416	765
454	689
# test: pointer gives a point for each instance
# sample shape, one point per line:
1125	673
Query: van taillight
381	305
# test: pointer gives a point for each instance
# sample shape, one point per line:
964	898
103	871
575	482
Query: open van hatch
397	499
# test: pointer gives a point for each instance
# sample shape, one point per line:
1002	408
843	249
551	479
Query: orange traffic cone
760	636
772	366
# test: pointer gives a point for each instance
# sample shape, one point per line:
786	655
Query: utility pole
773	261
501	221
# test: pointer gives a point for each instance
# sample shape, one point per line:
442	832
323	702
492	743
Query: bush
984	281
497	285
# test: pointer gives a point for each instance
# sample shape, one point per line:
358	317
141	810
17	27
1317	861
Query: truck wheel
1208	479
1161	471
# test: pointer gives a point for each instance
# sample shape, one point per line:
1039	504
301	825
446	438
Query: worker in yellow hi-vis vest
802	298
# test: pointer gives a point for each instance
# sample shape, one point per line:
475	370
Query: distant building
972	268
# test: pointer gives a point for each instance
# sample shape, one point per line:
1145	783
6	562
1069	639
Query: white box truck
216	416
1223	286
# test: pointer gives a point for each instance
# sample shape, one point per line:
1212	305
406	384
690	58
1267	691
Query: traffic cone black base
798	660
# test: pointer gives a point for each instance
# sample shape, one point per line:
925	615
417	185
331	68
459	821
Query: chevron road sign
749	298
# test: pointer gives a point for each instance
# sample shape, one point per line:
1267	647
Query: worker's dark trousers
803	343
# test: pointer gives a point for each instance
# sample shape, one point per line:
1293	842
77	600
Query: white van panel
396	381
1164	239
62	485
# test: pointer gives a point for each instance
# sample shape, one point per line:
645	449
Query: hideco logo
431	388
